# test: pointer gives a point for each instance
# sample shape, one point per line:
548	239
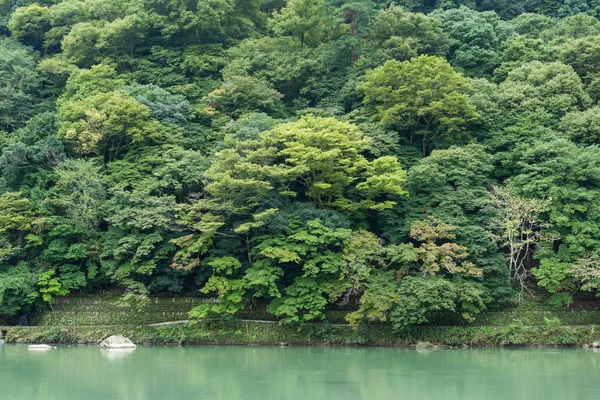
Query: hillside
399	164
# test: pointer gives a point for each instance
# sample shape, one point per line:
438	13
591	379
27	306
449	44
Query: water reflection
116	354
264	373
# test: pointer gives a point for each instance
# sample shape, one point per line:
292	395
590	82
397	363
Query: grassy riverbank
264	333
91	319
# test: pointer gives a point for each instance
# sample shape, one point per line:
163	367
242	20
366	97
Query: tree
276	61
420	298
29	24
18	84
31	152
582	126
79	46
314	159
165	106
304	20
532	25
586	270
50	286
17	290
578	26
423	97
583	55
379	298
401	35
80	192
16	225
69	259
106	124
447	257
475	39
520	229
450	185
542	92
240	95
359	13
568	176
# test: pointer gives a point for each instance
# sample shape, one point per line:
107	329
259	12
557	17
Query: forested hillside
399	158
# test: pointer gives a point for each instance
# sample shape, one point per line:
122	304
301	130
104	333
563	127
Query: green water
261	373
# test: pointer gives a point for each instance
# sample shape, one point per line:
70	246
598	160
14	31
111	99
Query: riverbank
89	319
266	333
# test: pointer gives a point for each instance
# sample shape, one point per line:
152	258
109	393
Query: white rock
595	345
117	342
40	347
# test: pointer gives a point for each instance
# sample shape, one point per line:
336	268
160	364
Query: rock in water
426	346
40	347
117	342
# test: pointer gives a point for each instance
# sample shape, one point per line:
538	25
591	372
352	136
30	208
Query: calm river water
262	373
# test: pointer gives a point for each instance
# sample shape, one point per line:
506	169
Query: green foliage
544	92
240	95
401	35
475	39
582	126
423	97
17	289
303	302
304	20
572	209
379	298
19	84
16	224
50	286
302	155
28	24
419	298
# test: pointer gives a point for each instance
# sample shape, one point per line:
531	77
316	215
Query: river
297	373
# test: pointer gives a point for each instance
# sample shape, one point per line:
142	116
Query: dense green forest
399	158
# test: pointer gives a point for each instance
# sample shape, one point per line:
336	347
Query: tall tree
423	97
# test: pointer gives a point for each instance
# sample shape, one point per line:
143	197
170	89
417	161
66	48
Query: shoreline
254	333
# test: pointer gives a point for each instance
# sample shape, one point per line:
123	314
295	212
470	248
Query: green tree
582	126
475	39
29	24
50	286
532	25
450	185
401	35
276	61
18	84
421	298
240	95
314	159
542	92
436	253
16	226
17	289
359	14
567	175
423	97
304	20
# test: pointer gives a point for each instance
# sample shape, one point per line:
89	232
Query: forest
403	159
